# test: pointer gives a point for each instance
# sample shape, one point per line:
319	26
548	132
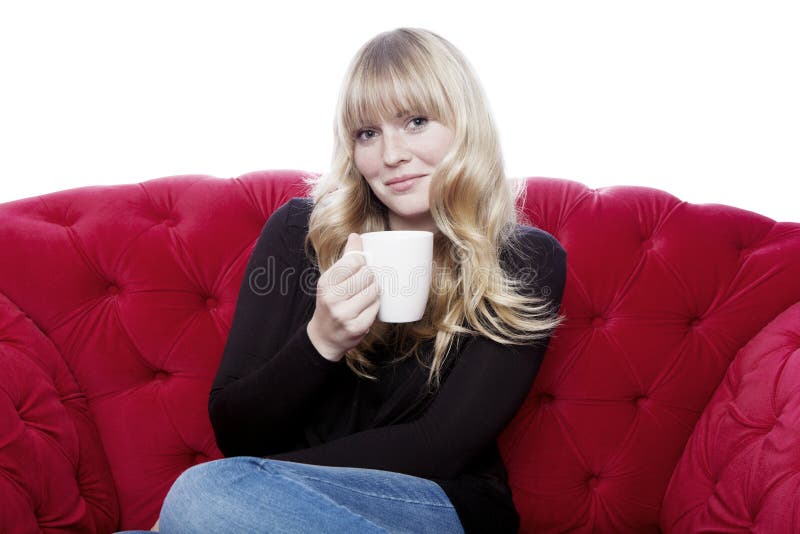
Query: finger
353	242
365	290
348	287
352	259
359	252
362	321
353	286
345	267
348	309
366	318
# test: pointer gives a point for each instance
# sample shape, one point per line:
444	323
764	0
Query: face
409	144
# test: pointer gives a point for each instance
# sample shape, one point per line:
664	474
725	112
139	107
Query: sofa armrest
53	471
740	469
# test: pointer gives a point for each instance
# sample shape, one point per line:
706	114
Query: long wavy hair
472	203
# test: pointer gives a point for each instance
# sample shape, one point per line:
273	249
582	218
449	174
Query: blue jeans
248	495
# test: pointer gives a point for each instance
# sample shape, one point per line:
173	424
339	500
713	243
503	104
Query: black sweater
276	396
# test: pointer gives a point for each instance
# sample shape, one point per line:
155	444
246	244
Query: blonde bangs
389	84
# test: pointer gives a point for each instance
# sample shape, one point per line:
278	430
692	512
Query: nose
395	149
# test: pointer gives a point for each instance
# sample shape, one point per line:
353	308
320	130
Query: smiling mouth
405	184
405	179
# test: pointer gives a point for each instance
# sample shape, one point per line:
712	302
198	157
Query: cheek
441	147
364	162
357	162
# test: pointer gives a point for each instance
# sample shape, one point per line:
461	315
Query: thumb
353	243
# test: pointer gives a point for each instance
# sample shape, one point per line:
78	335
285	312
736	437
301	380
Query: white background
696	98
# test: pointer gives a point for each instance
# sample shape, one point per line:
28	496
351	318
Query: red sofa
668	401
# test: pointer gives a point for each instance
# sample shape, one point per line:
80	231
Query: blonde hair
471	202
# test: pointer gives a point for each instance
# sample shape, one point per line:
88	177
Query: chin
411	212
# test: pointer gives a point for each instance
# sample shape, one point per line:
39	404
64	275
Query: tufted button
199	458
546	399
169	222
161	376
647	244
694	322
593	481
59	219
598	321
211	303
113	289
640	400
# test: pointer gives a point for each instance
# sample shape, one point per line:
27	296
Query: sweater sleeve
478	399
268	376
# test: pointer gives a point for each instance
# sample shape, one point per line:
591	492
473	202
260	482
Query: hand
347	304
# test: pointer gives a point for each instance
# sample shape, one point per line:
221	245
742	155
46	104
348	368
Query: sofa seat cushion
740	470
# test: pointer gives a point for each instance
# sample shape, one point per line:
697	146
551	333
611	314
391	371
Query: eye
359	133
423	119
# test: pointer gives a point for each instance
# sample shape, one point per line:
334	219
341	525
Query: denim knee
247	494
190	498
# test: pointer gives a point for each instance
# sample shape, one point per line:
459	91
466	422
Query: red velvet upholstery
740	471
115	303
661	294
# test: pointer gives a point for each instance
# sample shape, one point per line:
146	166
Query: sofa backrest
115	303
660	296
131	289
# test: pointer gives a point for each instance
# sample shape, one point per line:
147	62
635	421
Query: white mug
401	262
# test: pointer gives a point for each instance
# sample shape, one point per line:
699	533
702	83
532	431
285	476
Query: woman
332	421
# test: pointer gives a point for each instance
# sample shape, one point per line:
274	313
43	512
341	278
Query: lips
405	185
403	178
